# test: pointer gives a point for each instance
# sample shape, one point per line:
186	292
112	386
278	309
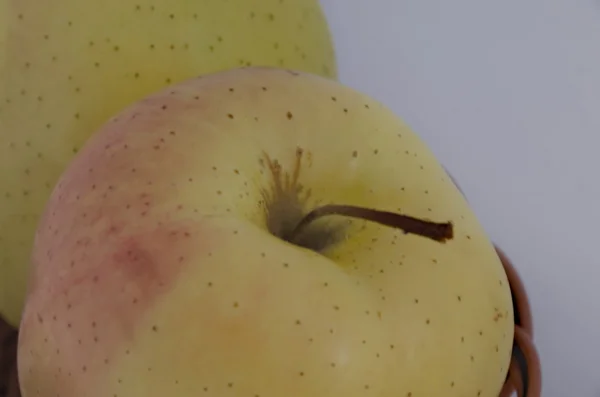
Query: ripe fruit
170	259
68	65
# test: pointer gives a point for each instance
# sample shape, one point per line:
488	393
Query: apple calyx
439	232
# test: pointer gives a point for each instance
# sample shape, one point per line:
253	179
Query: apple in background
262	232
69	65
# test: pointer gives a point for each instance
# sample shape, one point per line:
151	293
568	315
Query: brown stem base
9	381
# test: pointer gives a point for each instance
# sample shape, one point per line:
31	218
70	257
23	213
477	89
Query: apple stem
435	231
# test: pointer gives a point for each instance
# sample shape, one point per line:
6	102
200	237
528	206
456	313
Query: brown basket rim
525	373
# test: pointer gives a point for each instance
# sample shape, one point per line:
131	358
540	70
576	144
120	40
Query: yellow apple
262	232
68	65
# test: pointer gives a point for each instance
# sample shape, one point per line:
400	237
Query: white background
507	94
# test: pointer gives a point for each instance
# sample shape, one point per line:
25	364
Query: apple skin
154	272
67	67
